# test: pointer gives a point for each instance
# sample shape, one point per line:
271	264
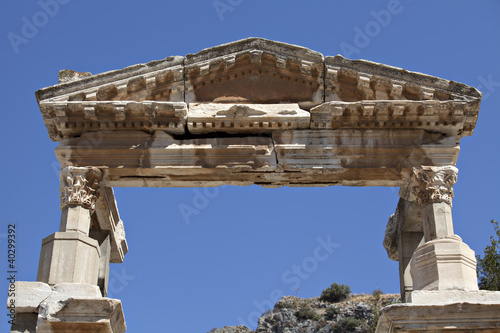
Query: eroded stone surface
71	119
29	295
255	70
448	117
108	218
67	75
245	118
77	314
314	158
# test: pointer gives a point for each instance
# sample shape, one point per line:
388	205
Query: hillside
358	313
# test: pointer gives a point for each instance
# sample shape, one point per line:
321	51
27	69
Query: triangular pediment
327	92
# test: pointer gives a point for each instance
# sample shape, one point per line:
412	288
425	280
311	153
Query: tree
335	293
488	268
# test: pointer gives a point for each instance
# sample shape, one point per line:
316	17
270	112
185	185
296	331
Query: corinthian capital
79	186
431	185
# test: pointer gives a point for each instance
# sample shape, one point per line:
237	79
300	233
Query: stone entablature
285	158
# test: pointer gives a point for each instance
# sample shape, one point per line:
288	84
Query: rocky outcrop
359	314
232	329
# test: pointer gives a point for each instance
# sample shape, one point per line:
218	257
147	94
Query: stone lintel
109	219
289	158
162	152
370	149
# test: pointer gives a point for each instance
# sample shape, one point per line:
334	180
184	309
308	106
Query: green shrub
305	312
331	312
348	324
335	293
266	313
377	293
488	267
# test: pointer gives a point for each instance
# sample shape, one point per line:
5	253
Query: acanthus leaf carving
79	186
433	184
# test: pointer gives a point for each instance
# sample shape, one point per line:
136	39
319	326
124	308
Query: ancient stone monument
267	113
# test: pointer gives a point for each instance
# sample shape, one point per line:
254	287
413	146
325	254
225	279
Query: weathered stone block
108	218
85	315
69	257
245	118
75	218
162	152
454	296
444	264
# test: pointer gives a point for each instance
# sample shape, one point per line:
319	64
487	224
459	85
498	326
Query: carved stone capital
79	186
431	185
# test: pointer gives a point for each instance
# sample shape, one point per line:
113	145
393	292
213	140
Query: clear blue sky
238	253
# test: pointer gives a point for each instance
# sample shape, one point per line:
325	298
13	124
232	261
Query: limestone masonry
266	113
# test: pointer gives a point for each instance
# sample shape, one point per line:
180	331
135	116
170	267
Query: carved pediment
253	86
255	70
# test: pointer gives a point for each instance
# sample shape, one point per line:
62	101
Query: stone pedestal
444	264
69	257
447	312
65	307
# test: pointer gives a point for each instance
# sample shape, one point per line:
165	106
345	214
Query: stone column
70	255
443	262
